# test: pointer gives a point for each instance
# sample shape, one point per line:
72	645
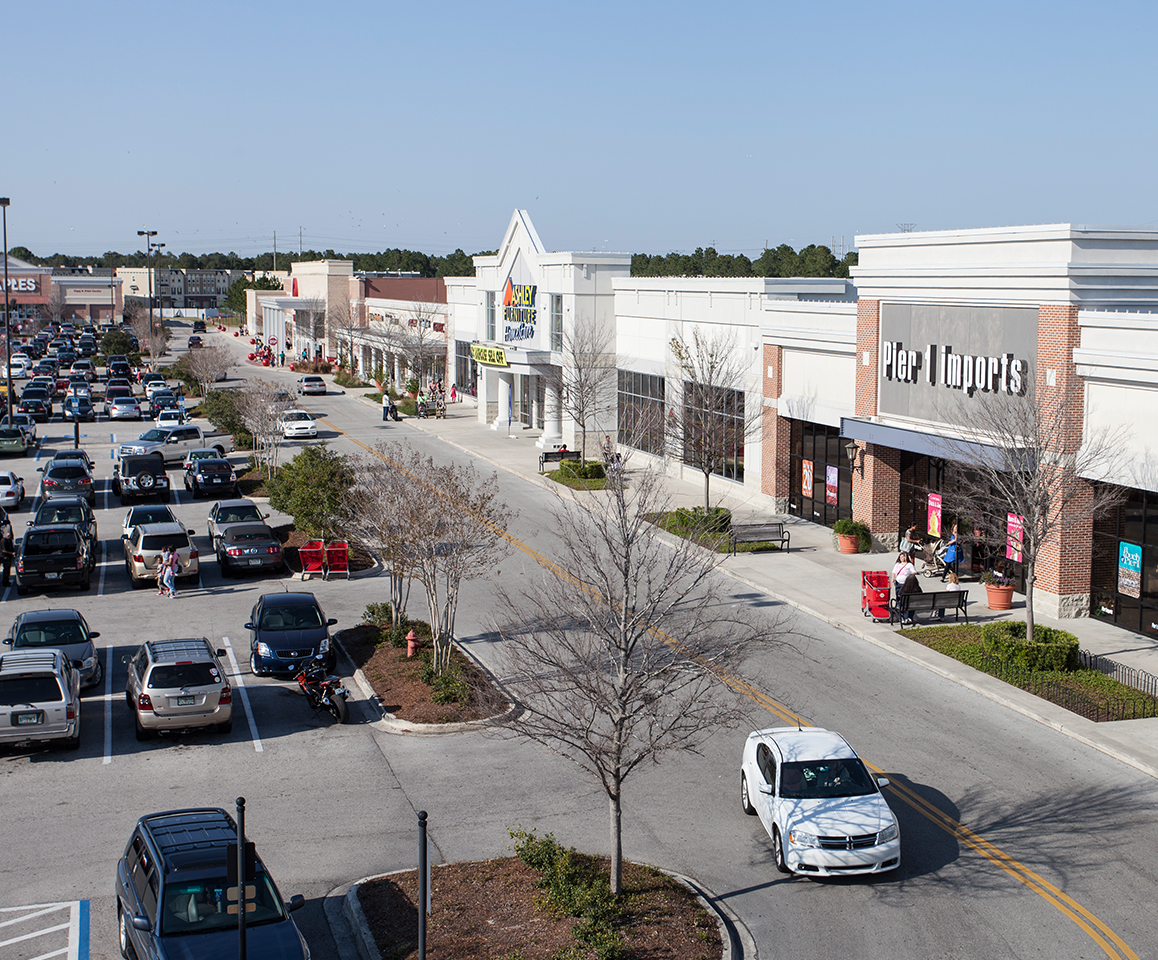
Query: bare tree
208	365
710	417
152	334
55	304
340	326
414	338
310	321
616	653
262	408
1036	465
586	378
379	518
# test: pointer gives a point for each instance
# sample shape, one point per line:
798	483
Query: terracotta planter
849	542
999	598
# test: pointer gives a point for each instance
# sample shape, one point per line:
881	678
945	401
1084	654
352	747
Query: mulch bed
493	909
397	680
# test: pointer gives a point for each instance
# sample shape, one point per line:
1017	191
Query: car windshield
296	617
50	513
142	515
15	691
297	415
153	435
183	675
818	779
239	514
58	634
158	541
200	906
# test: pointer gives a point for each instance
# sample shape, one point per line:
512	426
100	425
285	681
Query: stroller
933	557
422	409
439	408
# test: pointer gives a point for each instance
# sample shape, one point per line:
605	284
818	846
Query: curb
736	939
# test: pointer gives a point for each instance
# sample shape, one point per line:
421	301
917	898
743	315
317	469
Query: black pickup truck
140	476
53	555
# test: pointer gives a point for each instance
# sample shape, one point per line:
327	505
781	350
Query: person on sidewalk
905	579
171	570
954	584
281	359
388	408
952	555
453	393
7	550
162	566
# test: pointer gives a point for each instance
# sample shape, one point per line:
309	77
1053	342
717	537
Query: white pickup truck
174	442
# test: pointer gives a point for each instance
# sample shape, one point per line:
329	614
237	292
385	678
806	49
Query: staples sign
24	284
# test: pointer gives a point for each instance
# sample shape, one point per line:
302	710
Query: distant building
178	289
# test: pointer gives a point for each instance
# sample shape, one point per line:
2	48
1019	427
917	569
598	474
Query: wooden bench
908	604
557	456
758	533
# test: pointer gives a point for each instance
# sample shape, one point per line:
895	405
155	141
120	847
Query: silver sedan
11	491
124	408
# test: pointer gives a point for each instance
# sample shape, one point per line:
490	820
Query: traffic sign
273	341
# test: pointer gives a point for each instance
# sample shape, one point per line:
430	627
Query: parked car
137	476
123	408
211	477
173	443
143	545
146	513
178	685
83	368
170	888
820	805
79	408
286	631
11	491
74	510
298	423
249	547
13	441
227	512
311	383
38	409
24	422
69	479
52	556
18	366
77	454
64	630
119	368
39	698
152	382
200	453
161	400
170	417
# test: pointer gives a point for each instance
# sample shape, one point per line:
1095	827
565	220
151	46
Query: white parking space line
108	705
104	565
240	682
18	920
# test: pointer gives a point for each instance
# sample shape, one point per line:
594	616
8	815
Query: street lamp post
4	201
150	246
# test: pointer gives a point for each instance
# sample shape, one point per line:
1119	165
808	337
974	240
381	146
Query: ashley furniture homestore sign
933	356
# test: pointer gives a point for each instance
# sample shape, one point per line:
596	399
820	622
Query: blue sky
639	127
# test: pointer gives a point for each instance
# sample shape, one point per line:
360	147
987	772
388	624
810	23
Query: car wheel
127	949
21	591
116	489
253	664
778	850
745	800
86	583
225	571
226	727
128	698
100	674
73	742
142	733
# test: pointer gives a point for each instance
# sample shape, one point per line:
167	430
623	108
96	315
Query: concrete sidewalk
817	579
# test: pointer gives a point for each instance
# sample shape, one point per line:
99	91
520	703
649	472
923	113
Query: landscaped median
1052	667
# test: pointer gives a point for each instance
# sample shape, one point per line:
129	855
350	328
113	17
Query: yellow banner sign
492	356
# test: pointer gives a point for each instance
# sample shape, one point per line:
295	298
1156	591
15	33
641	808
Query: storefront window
714	425
489	298
1124	570
821	475
556	321
641	411
465	368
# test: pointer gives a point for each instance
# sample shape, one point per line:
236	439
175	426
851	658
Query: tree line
814	260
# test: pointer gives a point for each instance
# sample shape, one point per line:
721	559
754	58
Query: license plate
255	563
186	701
26	719
51	576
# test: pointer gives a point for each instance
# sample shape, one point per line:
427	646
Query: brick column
776	432
1062	566
868	338
876	484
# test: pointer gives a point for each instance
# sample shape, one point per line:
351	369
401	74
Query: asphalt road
328	804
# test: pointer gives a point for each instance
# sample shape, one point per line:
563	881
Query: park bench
758	533
909	604
557	456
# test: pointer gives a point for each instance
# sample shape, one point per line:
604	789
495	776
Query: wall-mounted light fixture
855	456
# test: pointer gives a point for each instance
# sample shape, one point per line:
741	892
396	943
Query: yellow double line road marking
1111	944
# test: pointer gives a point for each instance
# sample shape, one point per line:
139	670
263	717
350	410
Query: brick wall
868	338
777	432
1063	565
876	490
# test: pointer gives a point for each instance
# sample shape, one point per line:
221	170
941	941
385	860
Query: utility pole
299	243
4	201
275	251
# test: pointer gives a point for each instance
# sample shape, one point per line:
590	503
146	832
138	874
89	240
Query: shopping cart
313	558
337	559
874	594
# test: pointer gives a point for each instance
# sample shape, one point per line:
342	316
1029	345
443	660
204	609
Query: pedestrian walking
171	569
453	393
281	359
7	549
387	405
162	566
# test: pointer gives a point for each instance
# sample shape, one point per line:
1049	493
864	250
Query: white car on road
311	383
298	423
819	803
11	491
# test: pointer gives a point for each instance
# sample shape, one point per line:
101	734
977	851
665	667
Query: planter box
999	598
849	542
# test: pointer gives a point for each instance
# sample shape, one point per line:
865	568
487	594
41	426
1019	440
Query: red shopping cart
337	559
312	555
874	594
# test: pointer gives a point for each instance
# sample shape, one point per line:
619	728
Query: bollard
423	892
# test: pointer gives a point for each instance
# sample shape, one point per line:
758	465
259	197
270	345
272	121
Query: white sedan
311	383
820	805
11	491
19	366
170	417
298	423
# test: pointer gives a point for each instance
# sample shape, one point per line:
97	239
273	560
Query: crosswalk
39	931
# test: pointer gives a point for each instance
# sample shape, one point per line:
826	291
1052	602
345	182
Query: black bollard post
75	434
241	878
422	891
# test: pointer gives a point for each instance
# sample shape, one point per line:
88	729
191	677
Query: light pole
149	248
4	201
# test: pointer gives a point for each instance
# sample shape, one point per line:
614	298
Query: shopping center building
862	387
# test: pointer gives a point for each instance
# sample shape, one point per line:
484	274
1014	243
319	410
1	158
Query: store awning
932	444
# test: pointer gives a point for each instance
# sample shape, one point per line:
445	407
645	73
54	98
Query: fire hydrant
412	644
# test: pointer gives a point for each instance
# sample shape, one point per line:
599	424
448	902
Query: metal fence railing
1130	676
1084	702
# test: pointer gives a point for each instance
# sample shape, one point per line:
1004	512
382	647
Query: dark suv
139	476
172	893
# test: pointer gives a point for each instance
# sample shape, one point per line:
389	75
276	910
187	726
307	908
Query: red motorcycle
324	690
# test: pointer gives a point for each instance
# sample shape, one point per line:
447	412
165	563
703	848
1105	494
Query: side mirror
331	622
882	781
248	626
124	536
141	923
766	788
297	901
191	533
29	523
265	516
220	652
8	640
94	634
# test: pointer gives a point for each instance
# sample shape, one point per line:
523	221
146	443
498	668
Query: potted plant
412	387
852	536
998	590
